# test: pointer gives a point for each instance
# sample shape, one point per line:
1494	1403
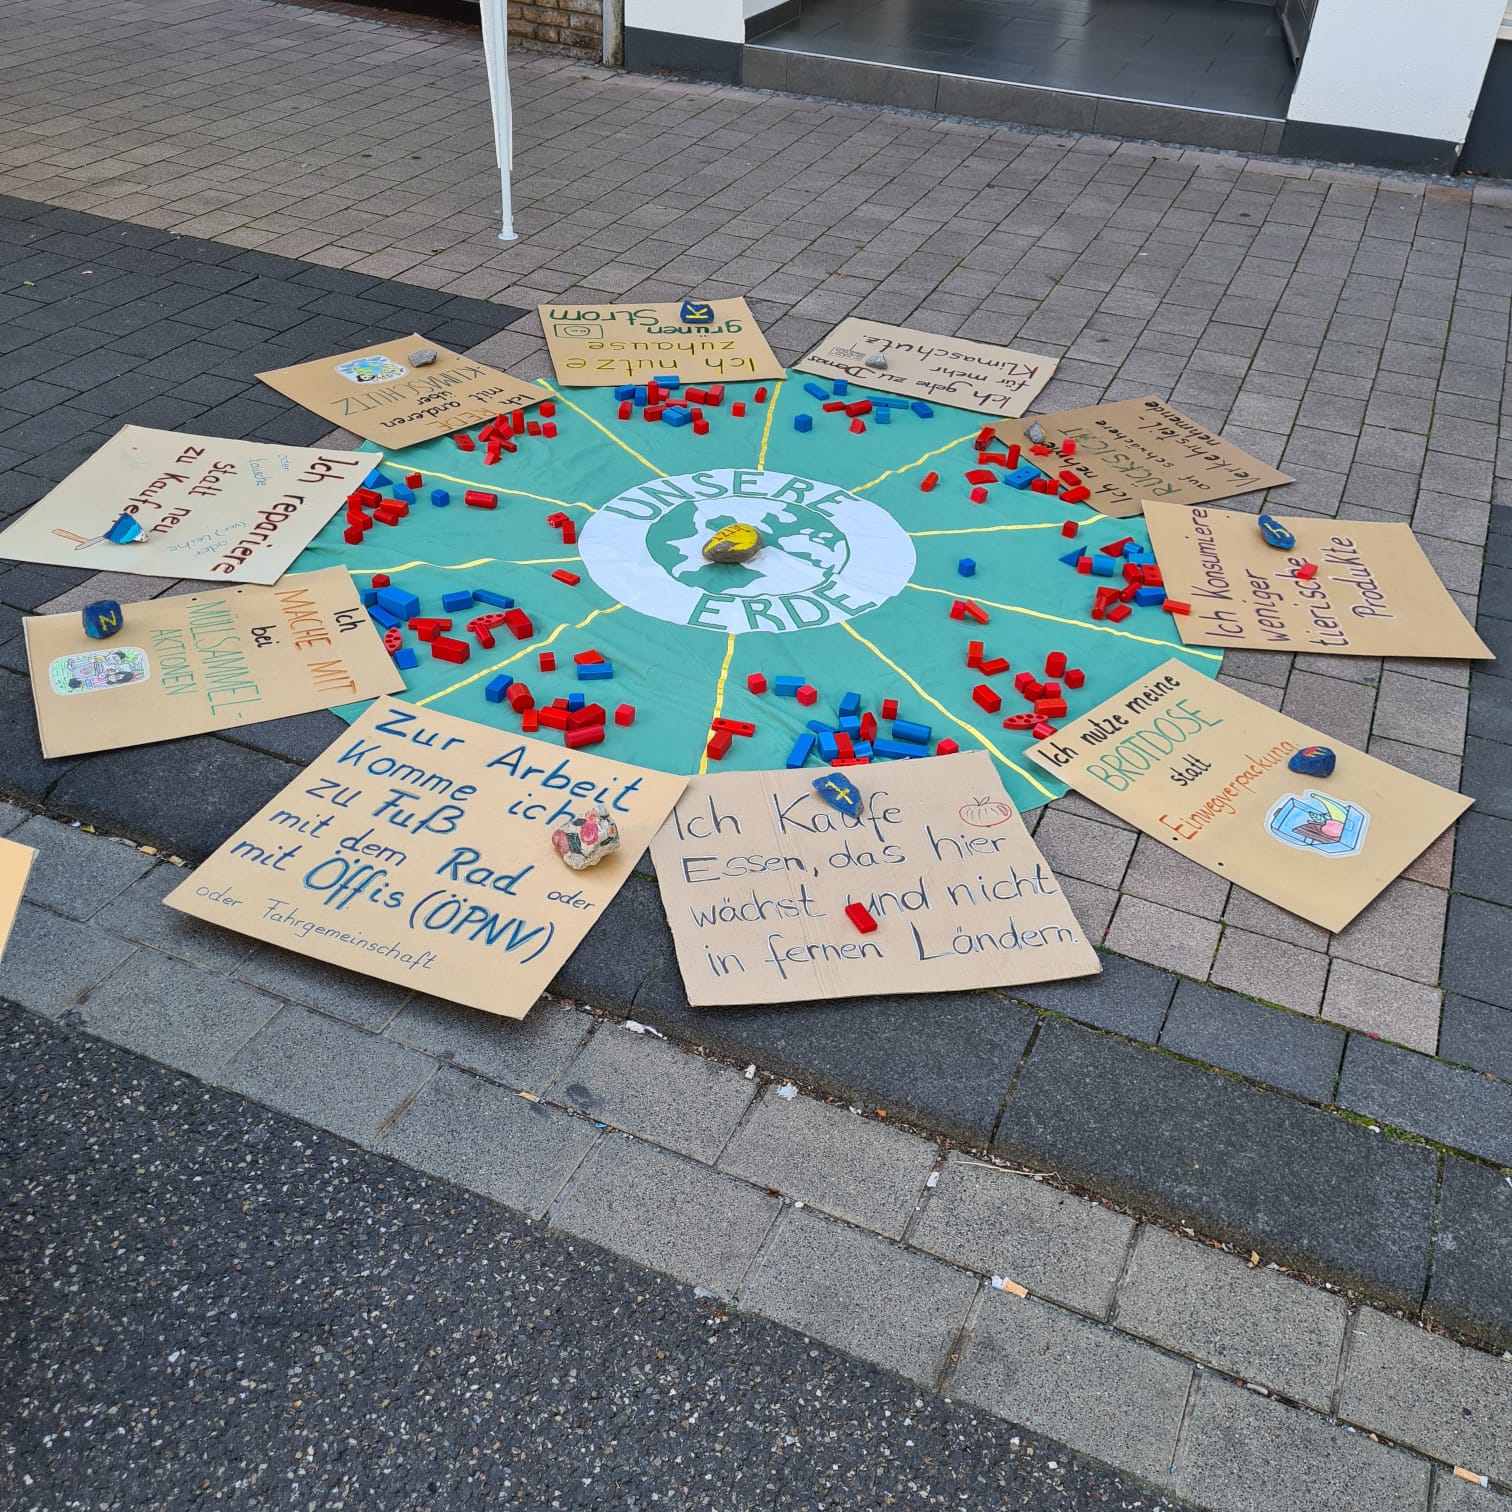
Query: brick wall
574	25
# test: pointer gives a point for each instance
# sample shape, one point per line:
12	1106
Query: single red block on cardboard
858	915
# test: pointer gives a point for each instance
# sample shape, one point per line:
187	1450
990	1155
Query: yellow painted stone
734	543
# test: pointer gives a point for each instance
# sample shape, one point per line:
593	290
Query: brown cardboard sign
1205	771
378	393
1374	593
209	508
15	866
1131	450
969	375
756	871
603	345
196	662
418	849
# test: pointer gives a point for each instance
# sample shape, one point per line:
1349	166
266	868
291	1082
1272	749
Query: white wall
1404	66
722	20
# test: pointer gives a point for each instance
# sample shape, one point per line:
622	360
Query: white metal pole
496	51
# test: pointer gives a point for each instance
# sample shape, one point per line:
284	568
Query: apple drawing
985	813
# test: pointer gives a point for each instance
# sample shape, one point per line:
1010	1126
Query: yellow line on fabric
1007	761
599	425
544	561
1058	619
490	487
439	566
984	529
766	430
719	692
509	661
894	472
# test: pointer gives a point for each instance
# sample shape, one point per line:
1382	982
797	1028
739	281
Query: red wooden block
1050	708
548	661
995	667
946	748
570	578
480	498
1019	722
974	651
719	745
714	396
1069	529
1176	606
589	714
1055	663
465	442
428	629
1076	495
928	481
700	427
958	610
737	409
859	407
978	495
353	534
625	714
529	721
834	407
1074	677
584	658
807	695
858	915
1013	457
981	475
548	430
761	395
1043	729
1307	571
625	409
366	497
1127	596
975	611
1119	612
552	717
1068	447
988	700
556	519
844	746
1152	577
889	708
984	438
586	736
734	726
868	727
756	682
1069	478
1050	690
492	455
858	426
387	516
532	427
1084	565
519	697
841	761
413	480
546	409
653	412
380	580
518	623
444	648
1115	548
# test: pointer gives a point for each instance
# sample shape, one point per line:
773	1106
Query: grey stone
1241	1451
648	1088
1472	1255
830	1159
140	914
525	1053
187	1018
1097	1391
1478	1035
49	960
1265	1044
666	1213
76	873
1475	951
490	1140
1452	1494
1254	1324
422	358
1428	1393
1060	1246
364	1000
327	1073
860	1294
1487	775
1127	996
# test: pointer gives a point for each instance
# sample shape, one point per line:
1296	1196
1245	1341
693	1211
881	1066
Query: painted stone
733	544
696	312
102	619
876	360
1274	533
1313	761
839	792
586	839
126	531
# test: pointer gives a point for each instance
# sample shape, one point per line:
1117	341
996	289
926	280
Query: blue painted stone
839	792
102	619
696	312
1274	533
1313	761
126	529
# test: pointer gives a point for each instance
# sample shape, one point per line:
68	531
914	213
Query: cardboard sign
1137	449
756	871
378	393
212	509
1374	592
1204	770
15	866
417	848
970	375
205	661
613	344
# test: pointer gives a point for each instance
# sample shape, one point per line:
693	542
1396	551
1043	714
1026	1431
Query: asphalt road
204	1303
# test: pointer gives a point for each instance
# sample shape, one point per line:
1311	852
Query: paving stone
636	1083
666	1213
1453	1107
326	1072
1271	970
1242	1451
1094	1390
1401	932
1263	918
1452	1494
140	914
12	817
1255	1324
1472	1255
1091	905
830	1159
1339	709
1164	936
525	1159
300	738
1477	1034
188	1018
526	1053
621	950
1419	711
49	961
1475	952
1160	875
1378	1003
860	1294
1487	775
362	1000
1429	1393
1483	844
1305	1188
26	772
1062	1247
1125	996
75	873
1083	848
1266	1045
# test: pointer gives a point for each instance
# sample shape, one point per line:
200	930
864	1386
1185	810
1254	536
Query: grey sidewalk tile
860	1294
1452	1494
49	960
190	1019
1429	1393
1305	1188
76	873
1472	1257
1098	1392
1083	848
367	1001
648	1088
1453	1107
666	1213
1401	932
621	950
525	1053
12	817
490	1140
1126	996
1377	1003
830	1159
1062	1247
1260	917
1281	1049
1477	1034
1242	1451
1158	874
1482	851
140	914
1420	711
1475	944
1164	936
1254	1324
1271	970
326	1072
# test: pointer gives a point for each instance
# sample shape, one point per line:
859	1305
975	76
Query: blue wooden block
625	391
1149	596
454	602
922	410
381	616
882	416
676	416
914	734
898	750
487	596
786	687
803	748
841	387
369	597
575	701
376	479
803	424
1022	476
640	393
440	498
850	724
1071	558
889	401
102	619
862	748
829	747
495	691
1103	565
596	672
669	381
966	567
850	703
405	659
815	391
404	495
819	727
399	602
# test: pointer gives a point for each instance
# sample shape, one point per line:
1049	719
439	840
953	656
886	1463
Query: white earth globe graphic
802	548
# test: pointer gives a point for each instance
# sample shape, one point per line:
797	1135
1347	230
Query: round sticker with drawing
95	671
373	368
1320	824
985	813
